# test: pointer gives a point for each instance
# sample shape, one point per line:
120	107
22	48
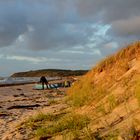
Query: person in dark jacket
44	81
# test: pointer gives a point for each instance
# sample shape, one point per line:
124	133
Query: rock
22	94
23	106
19	95
45	138
19	89
2	114
16	95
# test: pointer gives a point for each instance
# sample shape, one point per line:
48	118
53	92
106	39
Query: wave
20	80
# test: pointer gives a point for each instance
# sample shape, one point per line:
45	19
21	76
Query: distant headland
50	73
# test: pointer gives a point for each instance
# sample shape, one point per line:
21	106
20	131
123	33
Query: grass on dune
125	54
86	90
137	91
45	125
70	122
82	96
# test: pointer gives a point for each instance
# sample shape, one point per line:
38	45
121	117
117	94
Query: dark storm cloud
109	10
53	23
127	27
56	35
64	23
122	15
12	23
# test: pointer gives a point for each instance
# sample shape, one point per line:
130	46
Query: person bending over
44	81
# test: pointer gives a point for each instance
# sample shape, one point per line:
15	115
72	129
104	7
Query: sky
64	34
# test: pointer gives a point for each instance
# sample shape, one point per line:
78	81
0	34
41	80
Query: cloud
28	59
57	33
41	24
12	22
123	16
126	27
34	60
49	24
56	36
108	10
111	45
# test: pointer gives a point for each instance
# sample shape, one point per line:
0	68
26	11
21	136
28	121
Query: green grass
44	125
68	123
81	96
43	117
101	109
89	135
112	102
52	102
84	92
137	91
112	136
39	120
90	89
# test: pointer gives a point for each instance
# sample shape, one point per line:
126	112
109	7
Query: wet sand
20	102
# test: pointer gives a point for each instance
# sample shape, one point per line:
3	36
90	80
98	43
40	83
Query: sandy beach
20	102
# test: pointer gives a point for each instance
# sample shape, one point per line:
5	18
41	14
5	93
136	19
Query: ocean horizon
22	80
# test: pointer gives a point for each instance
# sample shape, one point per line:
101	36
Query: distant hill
50	73
110	95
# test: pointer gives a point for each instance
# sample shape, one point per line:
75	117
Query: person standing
44	81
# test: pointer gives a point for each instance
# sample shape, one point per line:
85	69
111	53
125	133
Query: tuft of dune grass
50	125
137	91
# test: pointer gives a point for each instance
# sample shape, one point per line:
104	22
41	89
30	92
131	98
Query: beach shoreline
18	102
17	84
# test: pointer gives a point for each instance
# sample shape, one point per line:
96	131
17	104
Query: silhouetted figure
43	80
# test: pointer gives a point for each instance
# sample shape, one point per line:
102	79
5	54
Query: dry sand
20	102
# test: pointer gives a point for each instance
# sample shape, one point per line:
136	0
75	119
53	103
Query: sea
22	80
